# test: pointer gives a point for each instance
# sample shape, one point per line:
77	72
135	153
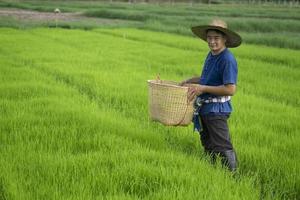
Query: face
216	41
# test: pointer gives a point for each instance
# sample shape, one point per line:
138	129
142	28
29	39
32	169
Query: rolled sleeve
230	72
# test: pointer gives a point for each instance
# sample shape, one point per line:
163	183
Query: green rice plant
271	25
74	119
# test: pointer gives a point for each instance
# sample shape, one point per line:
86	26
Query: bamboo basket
168	103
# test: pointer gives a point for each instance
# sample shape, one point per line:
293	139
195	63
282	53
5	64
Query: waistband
197	106
220	99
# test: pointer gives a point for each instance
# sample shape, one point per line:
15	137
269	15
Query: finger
191	98
191	89
191	92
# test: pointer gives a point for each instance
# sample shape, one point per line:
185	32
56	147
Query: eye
217	38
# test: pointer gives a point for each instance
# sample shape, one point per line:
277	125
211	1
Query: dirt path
28	15
39	16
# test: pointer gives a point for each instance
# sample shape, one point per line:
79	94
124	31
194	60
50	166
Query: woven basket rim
163	83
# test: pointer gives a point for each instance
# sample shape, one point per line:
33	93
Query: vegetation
270	25
74	113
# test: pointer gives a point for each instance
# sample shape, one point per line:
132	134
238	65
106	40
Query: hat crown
219	23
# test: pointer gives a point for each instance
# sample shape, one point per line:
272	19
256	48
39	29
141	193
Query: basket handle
158	80
187	105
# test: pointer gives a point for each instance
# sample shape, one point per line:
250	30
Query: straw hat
233	39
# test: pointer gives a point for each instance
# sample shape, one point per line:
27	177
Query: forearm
193	80
222	90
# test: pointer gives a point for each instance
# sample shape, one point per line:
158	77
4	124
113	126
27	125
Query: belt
221	99
197	106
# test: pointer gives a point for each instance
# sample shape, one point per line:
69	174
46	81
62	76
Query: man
213	91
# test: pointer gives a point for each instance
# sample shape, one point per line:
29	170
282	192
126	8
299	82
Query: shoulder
209	55
228	59
228	56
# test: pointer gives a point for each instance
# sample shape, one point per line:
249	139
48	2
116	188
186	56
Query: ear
225	38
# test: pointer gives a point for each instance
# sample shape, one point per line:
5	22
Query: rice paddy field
74	118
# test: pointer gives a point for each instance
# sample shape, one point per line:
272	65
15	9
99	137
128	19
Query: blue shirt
218	70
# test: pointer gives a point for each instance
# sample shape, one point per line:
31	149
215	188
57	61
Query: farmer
213	91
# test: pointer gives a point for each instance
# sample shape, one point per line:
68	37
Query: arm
222	90
191	80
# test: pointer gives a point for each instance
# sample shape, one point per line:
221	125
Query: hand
183	83
193	91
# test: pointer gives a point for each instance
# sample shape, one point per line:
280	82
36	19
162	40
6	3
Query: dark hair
216	30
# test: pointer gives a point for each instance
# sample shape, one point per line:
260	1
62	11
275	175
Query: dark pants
215	134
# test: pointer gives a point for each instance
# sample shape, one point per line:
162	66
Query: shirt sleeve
230	72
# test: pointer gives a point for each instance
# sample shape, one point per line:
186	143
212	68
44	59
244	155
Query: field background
74	107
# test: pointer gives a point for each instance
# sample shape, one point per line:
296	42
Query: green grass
272	25
74	119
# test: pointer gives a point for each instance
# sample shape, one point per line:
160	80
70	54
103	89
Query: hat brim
233	39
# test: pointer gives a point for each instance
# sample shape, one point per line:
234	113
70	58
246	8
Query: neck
217	52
